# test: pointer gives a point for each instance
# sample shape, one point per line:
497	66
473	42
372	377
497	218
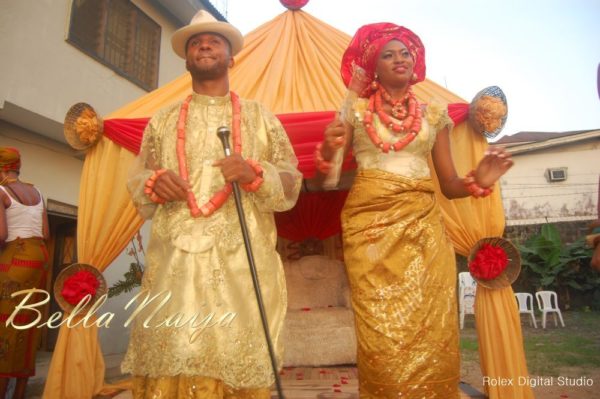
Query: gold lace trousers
191	387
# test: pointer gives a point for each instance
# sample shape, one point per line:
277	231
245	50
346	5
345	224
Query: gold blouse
412	160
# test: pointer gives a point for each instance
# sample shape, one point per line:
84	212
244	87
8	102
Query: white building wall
44	74
41	76
529	198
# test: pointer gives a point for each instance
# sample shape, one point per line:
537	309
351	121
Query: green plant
133	277
549	264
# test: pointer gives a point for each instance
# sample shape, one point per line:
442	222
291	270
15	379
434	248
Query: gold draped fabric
106	222
468	220
501	344
201	262
402	276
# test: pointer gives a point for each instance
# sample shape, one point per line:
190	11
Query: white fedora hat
204	22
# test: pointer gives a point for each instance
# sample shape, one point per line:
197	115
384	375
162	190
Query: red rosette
76	281
494	262
78	285
490	261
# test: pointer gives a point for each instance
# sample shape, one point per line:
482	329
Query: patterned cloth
202	261
22	266
401	270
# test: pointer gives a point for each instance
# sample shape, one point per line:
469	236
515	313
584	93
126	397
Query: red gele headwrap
365	46
10	159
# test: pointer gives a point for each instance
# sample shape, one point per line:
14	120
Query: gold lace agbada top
201	261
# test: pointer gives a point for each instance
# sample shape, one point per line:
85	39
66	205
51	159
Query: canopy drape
291	65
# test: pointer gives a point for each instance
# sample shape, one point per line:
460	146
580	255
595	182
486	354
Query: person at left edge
23	265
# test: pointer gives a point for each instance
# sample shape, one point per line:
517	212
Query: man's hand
235	168
171	187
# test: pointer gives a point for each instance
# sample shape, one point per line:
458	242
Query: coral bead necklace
221	196
406	109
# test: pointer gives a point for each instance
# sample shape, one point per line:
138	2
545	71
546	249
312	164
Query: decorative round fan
488	111
75	282
83	127
494	262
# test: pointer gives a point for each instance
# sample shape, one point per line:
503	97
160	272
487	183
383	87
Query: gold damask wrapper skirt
402	274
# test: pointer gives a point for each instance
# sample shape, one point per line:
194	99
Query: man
207	341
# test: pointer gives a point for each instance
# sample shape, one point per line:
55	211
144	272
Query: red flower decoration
293	4
78	285
489	262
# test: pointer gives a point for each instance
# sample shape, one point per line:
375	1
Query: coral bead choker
407	110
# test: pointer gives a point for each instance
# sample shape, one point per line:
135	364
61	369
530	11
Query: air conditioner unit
556	174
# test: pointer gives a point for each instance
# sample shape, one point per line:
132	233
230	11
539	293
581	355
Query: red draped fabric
458	112
316	215
126	132
304	129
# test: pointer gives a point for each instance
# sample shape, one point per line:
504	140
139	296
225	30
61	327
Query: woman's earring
414	77
375	83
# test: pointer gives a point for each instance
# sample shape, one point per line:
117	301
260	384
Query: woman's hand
335	138
494	164
359	81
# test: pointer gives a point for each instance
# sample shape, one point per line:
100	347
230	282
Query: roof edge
553	142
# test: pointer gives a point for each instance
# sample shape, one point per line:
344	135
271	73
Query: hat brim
510	274
228	31
68	272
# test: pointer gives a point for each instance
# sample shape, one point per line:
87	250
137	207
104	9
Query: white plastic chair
467	288
548	303
525	302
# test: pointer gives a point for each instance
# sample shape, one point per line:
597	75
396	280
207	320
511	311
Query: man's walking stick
223	133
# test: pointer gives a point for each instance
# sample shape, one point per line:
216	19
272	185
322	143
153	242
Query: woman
23	256
400	262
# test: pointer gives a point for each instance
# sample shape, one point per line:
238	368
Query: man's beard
212	72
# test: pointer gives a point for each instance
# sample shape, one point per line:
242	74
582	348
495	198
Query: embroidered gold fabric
191	387
402	271
201	261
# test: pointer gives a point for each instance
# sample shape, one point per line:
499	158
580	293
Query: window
119	35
